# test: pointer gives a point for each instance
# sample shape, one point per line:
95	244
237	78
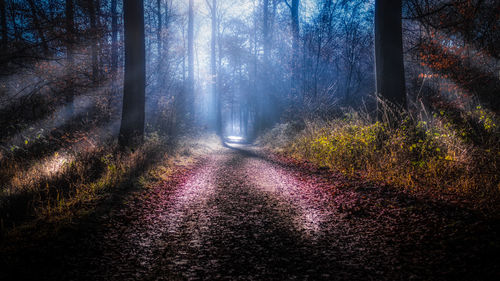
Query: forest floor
240	213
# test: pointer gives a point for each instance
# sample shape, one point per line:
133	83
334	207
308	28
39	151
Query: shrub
432	156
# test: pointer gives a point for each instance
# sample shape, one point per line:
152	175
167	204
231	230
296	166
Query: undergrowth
438	156
70	183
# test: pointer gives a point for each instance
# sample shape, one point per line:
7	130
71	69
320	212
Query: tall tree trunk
264	116
295	49
3	23
263	98
70	41
158	31
114	37
219	77
99	41
256	100
184	56
240	119
265	31
133	115
93	39
213	70
390	79
165	45
114	53
160	59
190	87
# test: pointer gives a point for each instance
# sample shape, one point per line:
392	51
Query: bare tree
38	26
265	31
70	31
158	31
114	37
264	95
92	11
294	8
190	83
216	107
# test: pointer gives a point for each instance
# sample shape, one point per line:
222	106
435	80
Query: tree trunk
70	33
263	95
165	45
295	50
213	70
265	31
390	79
114	37
160	58
114	54
190	87
93	39
218	96
158	31
184	56
132	126
3	23
256	100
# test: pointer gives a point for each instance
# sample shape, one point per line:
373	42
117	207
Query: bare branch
286	2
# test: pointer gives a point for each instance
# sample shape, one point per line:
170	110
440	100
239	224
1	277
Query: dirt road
241	215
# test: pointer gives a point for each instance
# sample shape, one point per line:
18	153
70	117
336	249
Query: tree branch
286	2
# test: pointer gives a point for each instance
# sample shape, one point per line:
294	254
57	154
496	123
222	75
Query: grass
70	183
443	155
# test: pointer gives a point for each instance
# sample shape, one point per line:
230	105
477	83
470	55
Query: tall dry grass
58	185
441	153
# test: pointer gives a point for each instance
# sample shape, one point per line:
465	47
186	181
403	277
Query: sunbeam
249	140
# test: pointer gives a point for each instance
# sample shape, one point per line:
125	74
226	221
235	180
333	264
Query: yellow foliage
428	154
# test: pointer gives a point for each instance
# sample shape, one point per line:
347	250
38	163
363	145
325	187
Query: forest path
238	216
242	215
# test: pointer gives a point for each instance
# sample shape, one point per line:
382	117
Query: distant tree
70	33
190	82
158	31
265	67
3	24
132	126
159	42
265	31
92	12
294	8
263	118
114	37
216	106
390	76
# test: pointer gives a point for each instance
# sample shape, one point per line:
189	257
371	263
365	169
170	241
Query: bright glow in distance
235	139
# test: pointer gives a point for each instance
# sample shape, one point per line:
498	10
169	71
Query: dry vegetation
71	183
445	155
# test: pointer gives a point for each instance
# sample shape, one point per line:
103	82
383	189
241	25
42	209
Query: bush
432	156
